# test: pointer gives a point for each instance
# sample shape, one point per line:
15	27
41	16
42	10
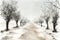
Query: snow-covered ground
18	33
31	30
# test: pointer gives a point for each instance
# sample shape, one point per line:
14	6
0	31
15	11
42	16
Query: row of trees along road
10	11
50	10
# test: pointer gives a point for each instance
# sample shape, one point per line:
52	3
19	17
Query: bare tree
54	13
7	10
41	23
46	16
55	18
16	17
40	20
23	21
47	20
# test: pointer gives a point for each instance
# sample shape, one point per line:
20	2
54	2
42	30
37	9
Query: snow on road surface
30	31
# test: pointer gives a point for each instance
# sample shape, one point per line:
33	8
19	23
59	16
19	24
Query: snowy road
18	33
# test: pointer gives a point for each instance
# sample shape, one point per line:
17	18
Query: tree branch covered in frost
54	3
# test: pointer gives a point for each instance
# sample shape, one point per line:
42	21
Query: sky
30	8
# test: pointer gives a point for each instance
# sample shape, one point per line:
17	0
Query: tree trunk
54	27
47	25
41	24
7	25
16	23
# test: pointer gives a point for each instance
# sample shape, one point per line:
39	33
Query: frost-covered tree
40	21
55	18
50	10
54	13
47	20
46	16
16	17
9	11
23	21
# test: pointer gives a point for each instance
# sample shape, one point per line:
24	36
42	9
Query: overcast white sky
30	8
